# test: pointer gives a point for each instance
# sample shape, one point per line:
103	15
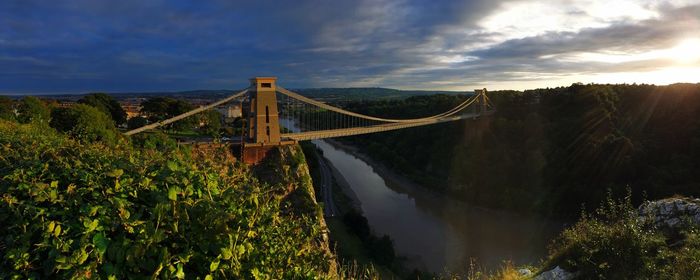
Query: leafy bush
84	122
154	140
358	224
106	104
211	121
136	122
161	108
32	109
614	244
685	261
72	210
7	110
381	249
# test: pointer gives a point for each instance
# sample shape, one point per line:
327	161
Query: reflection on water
436	232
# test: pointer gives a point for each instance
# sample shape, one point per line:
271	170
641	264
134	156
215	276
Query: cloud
623	37
173	45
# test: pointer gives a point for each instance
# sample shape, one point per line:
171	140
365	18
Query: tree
84	122
32	109
212	122
358	224
7	111
136	122
382	250
161	108
106	104
154	140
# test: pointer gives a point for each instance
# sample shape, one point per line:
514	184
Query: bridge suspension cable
314	119
322	105
186	114
311	119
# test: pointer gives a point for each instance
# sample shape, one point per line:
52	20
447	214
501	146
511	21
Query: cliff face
287	165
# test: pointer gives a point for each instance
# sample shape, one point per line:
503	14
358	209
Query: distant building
64	103
230	112
132	107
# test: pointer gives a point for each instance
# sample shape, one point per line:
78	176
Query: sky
77	46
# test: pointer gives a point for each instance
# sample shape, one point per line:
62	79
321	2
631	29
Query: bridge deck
310	135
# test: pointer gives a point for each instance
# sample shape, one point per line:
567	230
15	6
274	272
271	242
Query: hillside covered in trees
549	150
79	200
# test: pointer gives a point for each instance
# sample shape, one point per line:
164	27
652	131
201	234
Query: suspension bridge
277	116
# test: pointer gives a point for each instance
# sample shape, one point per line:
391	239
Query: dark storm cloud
85	45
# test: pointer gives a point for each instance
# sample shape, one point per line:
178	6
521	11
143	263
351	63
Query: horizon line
307	88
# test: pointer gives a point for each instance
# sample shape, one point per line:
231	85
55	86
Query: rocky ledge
671	215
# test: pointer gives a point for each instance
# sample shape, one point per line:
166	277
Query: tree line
97	116
551	150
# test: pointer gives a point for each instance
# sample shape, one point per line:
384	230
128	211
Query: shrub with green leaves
32	109
106	104
84	122
75	210
613	243
7	110
156	140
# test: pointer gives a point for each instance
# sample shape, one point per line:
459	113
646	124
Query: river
434	232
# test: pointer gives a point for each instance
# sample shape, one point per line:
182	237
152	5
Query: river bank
353	201
440	233
402	184
349	244
393	178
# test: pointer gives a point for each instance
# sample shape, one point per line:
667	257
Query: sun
686	52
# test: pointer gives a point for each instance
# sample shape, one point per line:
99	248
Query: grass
612	243
507	271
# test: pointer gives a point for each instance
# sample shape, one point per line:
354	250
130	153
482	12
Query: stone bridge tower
263	131
481	101
263	117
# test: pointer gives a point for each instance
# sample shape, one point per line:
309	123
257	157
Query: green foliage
156	140
106	104
613	244
310	154
211	120
236	128
358	224
548	150
136	122
84	122
32	109
7	110
685	261
76	210
380	249
161	108
357	271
